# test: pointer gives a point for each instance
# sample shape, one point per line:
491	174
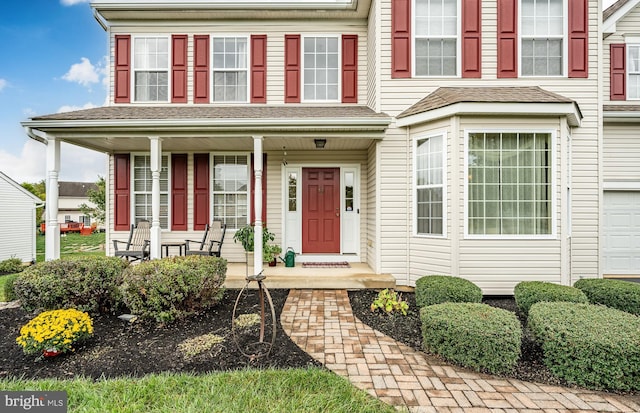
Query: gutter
100	19
157	5
30	133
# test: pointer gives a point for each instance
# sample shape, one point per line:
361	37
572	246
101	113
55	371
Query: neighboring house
17	221
621	143
418	137
70	196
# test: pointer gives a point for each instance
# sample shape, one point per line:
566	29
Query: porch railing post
257	204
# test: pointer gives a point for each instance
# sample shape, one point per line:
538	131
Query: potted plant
271	253
245	236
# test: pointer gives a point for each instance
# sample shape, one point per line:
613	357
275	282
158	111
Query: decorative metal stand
251	343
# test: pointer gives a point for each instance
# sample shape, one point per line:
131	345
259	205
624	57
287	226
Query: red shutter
200	190
264	191
350	68
122	78
178	192
471	39
578	38
292	68
618	86
507	38
179	68
400	39
121	205
201	69
259	68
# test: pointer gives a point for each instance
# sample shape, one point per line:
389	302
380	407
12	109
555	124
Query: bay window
509	183
429	185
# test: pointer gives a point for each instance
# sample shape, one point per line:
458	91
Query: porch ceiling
204	128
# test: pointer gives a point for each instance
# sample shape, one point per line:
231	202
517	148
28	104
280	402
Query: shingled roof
75	189
613	8
131	112
446	96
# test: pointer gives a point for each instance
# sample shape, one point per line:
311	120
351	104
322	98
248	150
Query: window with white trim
321	68
230	69
231	190
151	69
436	37
633	64
429	185
542	37
142	187
509	183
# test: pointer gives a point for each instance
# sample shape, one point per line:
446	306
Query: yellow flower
57	328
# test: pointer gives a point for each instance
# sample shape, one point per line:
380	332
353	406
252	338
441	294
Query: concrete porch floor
358	276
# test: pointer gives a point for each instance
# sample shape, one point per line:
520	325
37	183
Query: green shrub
88	283
473	335
172	288
11	266
590	345
390	302
436	289
9	293
527	293
622	295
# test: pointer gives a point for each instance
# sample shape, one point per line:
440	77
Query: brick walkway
322	324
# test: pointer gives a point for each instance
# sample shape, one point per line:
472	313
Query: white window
231	189
542	37
321	68
509	180
142	184
633	64
436	37
429	185
230	69
151	69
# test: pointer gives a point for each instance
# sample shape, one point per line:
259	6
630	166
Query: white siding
621	153
17	223
627	25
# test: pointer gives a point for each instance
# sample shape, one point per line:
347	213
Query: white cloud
83	73
76	164
3	84
29	113
72	2
71	108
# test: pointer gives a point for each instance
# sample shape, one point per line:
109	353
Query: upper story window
436	37
321	68
151	69
230	69
542	37
633	80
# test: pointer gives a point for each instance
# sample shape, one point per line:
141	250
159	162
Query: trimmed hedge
473	335
87	283
590	345
172	288
527	293
436	289
622	295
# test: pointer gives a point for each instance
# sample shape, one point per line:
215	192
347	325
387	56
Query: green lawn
3	281
312	390
74	244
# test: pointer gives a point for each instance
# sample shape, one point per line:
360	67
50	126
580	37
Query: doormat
342	264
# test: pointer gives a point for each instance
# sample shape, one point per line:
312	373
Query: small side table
165	248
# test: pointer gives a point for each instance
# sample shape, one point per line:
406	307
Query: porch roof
621	113
112	128
448	101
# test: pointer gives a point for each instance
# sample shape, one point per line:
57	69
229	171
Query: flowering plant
55	330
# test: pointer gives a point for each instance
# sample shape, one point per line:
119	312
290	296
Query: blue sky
52	59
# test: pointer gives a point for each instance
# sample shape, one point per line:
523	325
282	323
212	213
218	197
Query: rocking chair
137	247
211	243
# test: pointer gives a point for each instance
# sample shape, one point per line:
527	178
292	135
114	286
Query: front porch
358	276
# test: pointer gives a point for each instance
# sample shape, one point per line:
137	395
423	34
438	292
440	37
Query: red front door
320	210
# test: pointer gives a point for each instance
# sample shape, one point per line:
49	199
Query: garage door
621	241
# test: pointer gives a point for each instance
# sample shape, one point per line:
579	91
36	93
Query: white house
414	136
17	221
71	195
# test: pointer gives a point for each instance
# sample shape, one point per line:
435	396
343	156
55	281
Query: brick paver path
322	324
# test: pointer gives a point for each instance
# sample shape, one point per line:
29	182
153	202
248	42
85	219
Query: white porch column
156	167
257	204
52	234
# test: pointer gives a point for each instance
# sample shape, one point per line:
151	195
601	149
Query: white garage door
621	241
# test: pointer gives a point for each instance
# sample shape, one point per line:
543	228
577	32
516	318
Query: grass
3	281
74	244
310	390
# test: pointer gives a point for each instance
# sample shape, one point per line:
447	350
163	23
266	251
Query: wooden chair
137	247
211	243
